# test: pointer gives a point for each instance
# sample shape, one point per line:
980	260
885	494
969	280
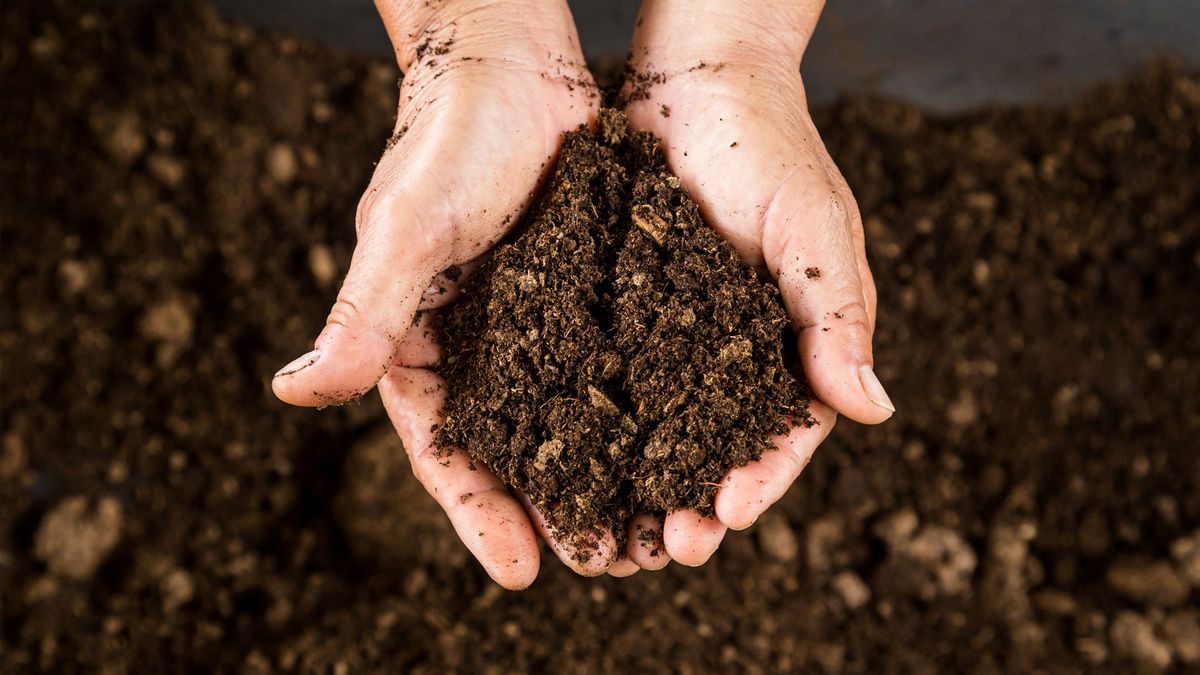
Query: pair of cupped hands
489	89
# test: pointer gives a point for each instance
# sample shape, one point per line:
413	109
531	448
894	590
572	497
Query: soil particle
963	411
777	539
897	528
637	86
169	323
12	456
167	169
1182	631
322	265
651	539
1186	552
178	589
1007	576
1055	602
823	542
617	357
281	163
1151	582
853	591
121	134
927	562
74	275
1133	636
76	536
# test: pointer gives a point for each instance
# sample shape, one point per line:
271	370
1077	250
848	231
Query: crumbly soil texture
178	197
617	357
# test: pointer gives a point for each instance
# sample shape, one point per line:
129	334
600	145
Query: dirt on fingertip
616	357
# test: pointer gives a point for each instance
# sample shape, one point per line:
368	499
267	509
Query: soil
617	357
178	199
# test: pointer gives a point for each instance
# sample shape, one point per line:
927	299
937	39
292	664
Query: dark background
948	55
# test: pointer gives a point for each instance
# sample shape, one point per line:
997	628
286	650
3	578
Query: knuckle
840	211
392	221
805	206
825	416
851	324
852	312
347	312
802	459
800	455
423	456
367	205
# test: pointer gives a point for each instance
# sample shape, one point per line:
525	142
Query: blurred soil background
178	196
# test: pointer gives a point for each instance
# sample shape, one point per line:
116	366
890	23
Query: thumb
375	307
814	245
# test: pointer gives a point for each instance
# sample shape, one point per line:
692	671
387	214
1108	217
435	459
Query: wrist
678	34
479	29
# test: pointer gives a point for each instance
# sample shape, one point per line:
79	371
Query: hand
731	110
489	89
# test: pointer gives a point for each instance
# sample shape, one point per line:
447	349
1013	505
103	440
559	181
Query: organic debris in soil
617	357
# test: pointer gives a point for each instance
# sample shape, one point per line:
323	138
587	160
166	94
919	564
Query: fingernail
299	364
874	388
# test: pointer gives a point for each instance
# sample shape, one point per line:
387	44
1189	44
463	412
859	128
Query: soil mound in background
617	357
178	200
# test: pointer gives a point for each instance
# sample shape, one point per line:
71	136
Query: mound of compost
618	356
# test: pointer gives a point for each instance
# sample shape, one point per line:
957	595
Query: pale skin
478	139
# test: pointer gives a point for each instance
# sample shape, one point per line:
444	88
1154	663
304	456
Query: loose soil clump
617	357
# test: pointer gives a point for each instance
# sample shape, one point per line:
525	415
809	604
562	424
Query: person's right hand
489	89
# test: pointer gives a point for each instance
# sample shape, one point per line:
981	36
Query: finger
870	293
623	567
644	543
587	555
389	273
491	523
810	240
691	538
747	491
